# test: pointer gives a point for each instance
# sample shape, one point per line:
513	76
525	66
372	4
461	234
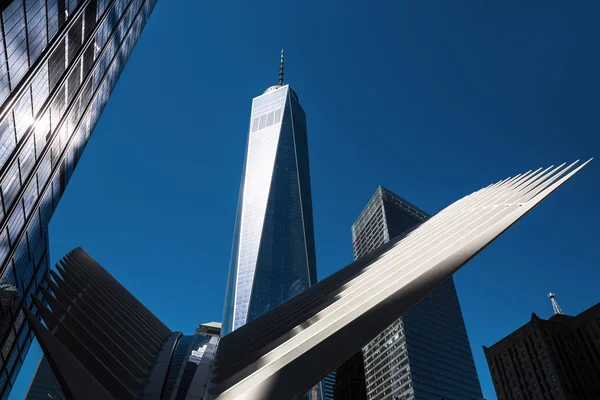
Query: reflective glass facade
59	61
184	363
273	255
426	353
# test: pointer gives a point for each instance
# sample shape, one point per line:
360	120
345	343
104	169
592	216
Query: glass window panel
74	81
42	129
16	45
15	224
56	64
87	60
46	208
7	139
62	13
44	171
70	162
19	320
36	27
63	136
101	8
56	190
4	86
27	158
8	295
4	247
52	17
89	18
8	344
23	114
57	108
36	243
39	89
10	186
74	36
71	5
23	266
30	196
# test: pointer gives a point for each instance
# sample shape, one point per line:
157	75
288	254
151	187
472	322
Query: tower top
280	82
555	306
281	69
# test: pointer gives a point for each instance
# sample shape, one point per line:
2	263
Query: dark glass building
426	353
556	359
44	385
59	61
350	379
273	255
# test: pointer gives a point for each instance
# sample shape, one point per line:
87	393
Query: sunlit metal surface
285	351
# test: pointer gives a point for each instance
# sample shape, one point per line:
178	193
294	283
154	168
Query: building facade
556	359
209	329
350	379
425	354
59	61
44	385
273	255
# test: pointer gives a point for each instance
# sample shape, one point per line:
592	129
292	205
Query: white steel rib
285	351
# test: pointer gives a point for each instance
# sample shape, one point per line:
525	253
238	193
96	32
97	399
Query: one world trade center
273	255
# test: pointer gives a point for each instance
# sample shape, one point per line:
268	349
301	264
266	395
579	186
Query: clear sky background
431	99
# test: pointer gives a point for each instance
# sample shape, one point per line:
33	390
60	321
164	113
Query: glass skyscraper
59	61
273	255
44	385
425	354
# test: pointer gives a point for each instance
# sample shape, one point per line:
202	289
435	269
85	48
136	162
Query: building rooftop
212	325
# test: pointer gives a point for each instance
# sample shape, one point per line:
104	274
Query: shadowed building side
44	385
558	358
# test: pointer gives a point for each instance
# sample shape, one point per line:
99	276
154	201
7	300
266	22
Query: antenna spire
555	305
281	69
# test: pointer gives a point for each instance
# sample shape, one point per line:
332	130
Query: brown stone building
557	359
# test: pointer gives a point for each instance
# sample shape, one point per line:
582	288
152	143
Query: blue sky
430	99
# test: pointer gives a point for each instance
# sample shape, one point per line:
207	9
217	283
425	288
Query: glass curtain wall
59	61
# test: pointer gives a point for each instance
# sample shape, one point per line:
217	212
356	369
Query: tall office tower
557	359
273	255
425	354
350	379
44	385
59	61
